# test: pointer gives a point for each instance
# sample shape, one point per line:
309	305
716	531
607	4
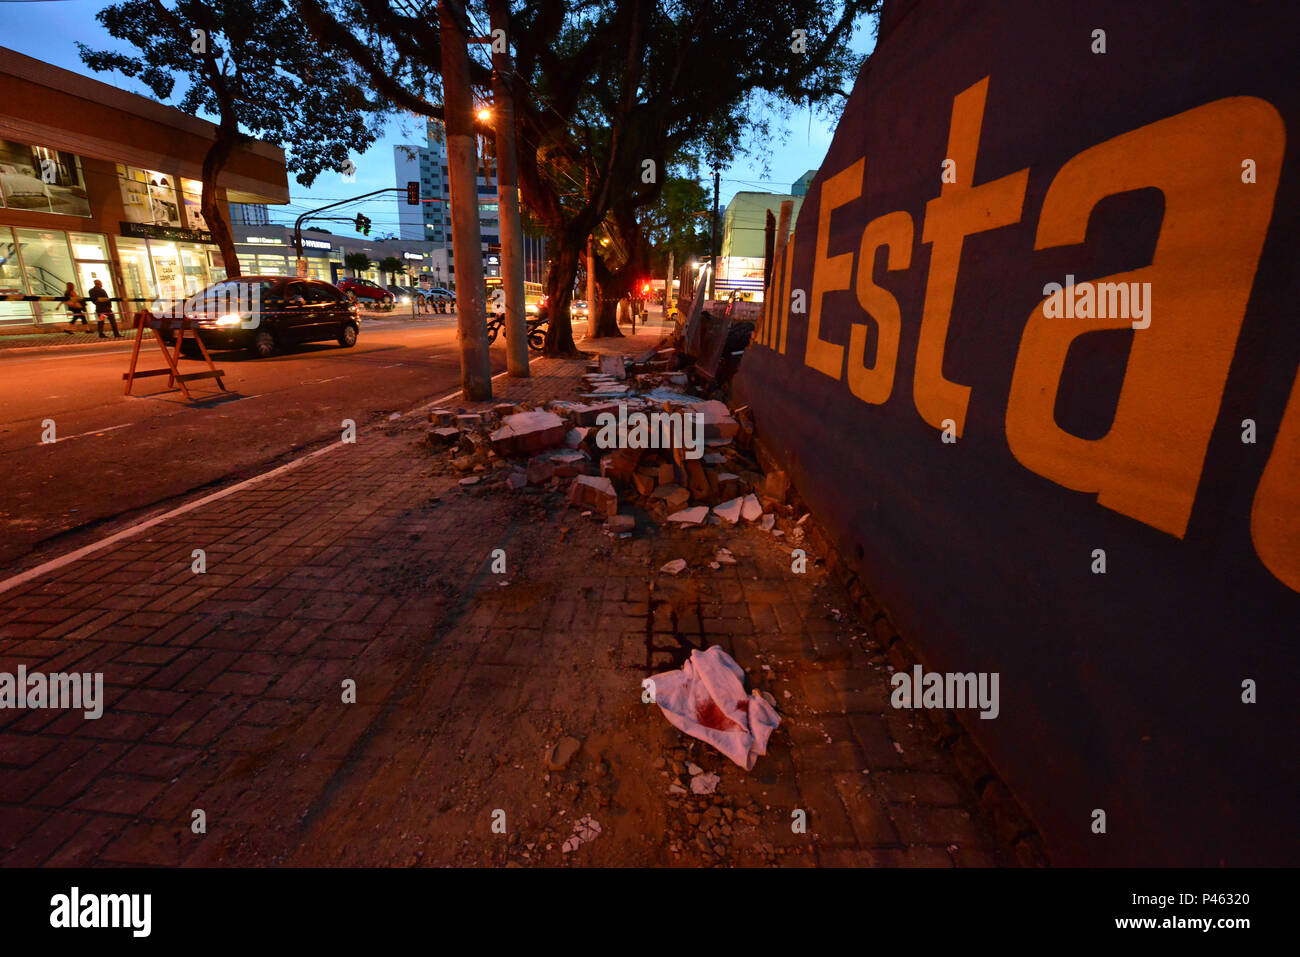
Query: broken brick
594	492
526	433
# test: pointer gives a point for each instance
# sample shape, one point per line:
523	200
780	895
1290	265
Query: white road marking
55	564
82	435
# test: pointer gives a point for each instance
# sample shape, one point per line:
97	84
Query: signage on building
262	241
173	233
412	255
316	244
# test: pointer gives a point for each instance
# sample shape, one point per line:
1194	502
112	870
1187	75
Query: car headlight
230	319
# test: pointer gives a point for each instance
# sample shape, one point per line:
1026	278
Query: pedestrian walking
103	308
76	307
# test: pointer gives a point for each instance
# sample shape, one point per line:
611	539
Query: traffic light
363	225
413	193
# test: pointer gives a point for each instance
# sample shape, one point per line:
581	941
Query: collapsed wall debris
584	447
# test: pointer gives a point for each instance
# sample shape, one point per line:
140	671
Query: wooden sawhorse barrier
146	320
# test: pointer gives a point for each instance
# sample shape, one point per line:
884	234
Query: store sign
316	244
262	241
173	233
412	256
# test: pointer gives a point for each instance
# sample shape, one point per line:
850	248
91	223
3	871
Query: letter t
960	209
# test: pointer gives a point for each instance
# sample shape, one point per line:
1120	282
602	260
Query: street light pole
512	234
466	241
713	244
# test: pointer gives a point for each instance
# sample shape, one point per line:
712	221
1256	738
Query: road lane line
55	564
82	435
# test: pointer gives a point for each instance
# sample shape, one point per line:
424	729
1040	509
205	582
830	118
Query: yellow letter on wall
874	384
962	208
1148	466
830	272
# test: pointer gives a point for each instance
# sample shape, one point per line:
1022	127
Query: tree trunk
559	294
228	137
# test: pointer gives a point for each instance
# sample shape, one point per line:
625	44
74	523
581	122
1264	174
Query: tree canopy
611	97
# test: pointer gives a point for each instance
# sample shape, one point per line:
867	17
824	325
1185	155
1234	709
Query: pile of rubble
727	480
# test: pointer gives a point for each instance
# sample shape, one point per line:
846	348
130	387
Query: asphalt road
117	455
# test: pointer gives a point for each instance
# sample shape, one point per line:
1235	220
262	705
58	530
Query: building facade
431	220
744	232
100	184
268	250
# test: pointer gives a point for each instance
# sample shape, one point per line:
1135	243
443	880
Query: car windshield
230	295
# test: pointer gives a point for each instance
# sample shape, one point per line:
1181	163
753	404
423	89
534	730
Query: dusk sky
50	29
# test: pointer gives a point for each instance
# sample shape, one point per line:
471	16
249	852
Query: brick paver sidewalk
224	690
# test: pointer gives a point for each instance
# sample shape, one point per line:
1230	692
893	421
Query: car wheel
537	341
264	345
348	335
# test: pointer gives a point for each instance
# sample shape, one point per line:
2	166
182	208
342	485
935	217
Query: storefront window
42	180
47	262
137	271
192	198
11	281
149	196
167	270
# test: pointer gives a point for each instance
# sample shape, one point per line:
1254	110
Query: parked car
263	313
403	294
370	292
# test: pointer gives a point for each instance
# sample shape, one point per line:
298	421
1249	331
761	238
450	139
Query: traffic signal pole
512	234
315	213
458	105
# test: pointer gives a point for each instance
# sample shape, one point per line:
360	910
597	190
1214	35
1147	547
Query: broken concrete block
728	485
730	511
503	409
697	480
443	435
463	463
595	492
613	366
587	414
574	437
517	480
718	423
469	421
526	433
620	464
674	496
644	480
724	557
471	480
620	523
776	485
674	567
690	516
540	471
767	523
752	510
442	416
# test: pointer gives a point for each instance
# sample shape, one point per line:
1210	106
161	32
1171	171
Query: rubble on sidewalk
722	477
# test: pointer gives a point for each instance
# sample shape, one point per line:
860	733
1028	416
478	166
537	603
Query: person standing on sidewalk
76	307
104	308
